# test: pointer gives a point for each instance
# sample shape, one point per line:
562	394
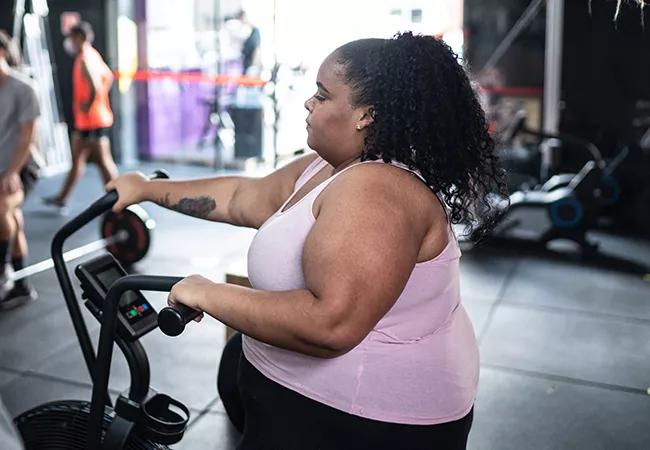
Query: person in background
251	45
17	174
93	117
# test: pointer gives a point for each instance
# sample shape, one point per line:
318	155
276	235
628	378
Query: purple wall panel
176	116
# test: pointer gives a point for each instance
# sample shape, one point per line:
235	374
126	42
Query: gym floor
564	347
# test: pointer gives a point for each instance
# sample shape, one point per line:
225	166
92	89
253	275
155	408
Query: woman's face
332	121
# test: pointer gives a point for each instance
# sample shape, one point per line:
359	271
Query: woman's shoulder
380	184
388	177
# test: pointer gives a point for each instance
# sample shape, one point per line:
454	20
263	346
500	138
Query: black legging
271	416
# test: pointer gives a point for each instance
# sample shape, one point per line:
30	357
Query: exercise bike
142	418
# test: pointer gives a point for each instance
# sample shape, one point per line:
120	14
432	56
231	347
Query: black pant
276	418
94	133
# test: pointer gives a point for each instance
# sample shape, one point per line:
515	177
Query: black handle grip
109	199
172	319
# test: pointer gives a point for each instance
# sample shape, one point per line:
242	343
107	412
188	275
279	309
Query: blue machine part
610	190
566	212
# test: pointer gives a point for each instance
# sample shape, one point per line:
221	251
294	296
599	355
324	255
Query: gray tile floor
565	348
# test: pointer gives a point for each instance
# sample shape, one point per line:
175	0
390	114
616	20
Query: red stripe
190	77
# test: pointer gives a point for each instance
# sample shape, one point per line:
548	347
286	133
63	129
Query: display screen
132	305
108	277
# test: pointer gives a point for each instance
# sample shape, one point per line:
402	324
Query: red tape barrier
190	77
219	79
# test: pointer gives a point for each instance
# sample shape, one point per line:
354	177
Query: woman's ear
367	117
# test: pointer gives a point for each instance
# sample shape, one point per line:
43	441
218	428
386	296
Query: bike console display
136	315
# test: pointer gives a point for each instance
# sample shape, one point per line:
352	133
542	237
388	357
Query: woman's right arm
242	201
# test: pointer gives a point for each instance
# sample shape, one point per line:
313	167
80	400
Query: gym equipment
608	192
31	23
564	207
563	213
544	156
126	235
548	158
142	418
134	226
172	319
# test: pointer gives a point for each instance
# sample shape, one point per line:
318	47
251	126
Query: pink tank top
419	365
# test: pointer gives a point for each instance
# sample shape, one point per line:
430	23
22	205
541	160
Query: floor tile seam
206	410
203	414
39	362
66	380
88	385
499	298
14	375
567	379
11	369
577	312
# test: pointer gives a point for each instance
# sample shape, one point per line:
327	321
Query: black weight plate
137	225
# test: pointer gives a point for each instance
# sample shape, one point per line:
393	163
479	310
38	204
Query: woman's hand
130	189
191	291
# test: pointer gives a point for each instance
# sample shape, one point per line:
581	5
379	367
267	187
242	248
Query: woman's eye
319	97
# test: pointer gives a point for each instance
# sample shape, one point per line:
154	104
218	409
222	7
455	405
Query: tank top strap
314	193
319	163
413	172
312	169
325	183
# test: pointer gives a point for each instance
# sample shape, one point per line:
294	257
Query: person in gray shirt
18	112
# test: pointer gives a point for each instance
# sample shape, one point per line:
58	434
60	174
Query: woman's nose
309	103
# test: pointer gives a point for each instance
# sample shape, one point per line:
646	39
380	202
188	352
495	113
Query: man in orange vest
93	117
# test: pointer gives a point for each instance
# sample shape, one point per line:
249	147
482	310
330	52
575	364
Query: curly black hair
427	116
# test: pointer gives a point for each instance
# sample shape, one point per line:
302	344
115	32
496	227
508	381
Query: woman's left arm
356	261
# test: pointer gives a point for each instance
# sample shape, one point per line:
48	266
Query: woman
354	335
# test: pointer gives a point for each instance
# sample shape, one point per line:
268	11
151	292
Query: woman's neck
345	164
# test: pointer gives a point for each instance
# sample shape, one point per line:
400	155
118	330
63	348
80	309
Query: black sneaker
56	202
19	295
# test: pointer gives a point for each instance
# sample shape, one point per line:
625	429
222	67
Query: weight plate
133	228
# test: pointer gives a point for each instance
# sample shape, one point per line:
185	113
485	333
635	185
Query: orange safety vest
100	114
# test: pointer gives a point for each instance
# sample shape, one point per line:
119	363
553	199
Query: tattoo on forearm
198	207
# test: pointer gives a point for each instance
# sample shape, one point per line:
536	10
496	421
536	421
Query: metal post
553	65
18	20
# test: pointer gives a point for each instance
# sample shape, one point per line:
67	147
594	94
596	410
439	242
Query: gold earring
358	127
